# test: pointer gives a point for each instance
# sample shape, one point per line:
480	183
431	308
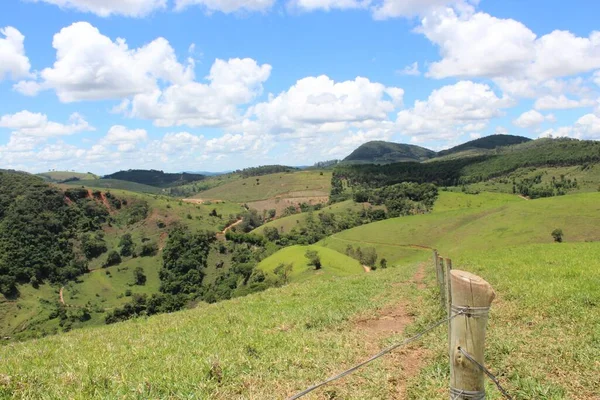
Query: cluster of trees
38	229
264	170
144	305
400	199
532	187
367	256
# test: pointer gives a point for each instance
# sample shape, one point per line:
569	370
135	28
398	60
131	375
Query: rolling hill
62	176
380	152
479	146
154	177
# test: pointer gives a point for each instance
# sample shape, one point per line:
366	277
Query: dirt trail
523	197
60	293
367	269
221	235
393	320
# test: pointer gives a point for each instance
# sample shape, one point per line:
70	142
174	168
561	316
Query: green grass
448	201
334	263
116	184
58	176
296	184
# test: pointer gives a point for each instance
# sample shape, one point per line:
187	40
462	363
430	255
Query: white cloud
125	139
341	147
327	5
90	66
452	110
411	70
106	8
561	102
232	83
13	61
318	104
587	127
26	123
597	78
227	6
532	119
411	8
480	45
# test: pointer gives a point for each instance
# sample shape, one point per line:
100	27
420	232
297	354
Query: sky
214	85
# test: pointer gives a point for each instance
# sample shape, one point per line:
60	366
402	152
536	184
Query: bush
139	278
149	249
127	245
113	259
313	259
557	234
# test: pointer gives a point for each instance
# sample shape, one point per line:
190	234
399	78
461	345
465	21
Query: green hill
485	143
334	263
275	343
301	184
154	177
381	152
116	184
63	176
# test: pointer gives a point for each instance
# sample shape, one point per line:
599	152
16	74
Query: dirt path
523	197
60	294
367	269
405	362
221	235
410	246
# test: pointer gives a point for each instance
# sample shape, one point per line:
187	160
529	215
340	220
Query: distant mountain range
381	152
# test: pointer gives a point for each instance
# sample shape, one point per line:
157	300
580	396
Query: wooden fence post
448	287
467	332
435	265
441	282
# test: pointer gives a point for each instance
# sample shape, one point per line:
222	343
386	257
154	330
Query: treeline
155	178
455	172
264	170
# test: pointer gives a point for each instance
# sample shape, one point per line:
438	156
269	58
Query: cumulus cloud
91	66
14	63
231	83
561	102
319	104
227	6
532	119
125	139
520	62
452	110
26	123
411	8
106	8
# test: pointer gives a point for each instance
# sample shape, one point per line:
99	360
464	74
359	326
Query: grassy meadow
111	184
58	176
543	337
334	263
284	185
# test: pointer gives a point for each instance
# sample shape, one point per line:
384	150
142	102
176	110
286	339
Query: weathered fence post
435	265
448	287
441	282
467	333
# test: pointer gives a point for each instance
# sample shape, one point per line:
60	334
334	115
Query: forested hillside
485	143
388	152
155	178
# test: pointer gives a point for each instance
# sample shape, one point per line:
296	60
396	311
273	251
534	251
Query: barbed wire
378	355
487	372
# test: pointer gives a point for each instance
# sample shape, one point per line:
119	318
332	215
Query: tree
283	272
313	259
139	278
271	213
149	249
271	233
383	263
93	245
369	257
113	258
127	246
185	258
557	234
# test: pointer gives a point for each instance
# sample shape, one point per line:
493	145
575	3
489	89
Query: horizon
184	85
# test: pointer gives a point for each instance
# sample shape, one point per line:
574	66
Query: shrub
113	259
313	259
149	249
139	278
557	234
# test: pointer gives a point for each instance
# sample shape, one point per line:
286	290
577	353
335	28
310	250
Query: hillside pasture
282	185
59	176
334	263
111	184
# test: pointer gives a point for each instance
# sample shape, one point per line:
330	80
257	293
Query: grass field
284	185
543	334
334	263
58	176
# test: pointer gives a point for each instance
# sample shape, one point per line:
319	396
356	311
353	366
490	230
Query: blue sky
102	85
